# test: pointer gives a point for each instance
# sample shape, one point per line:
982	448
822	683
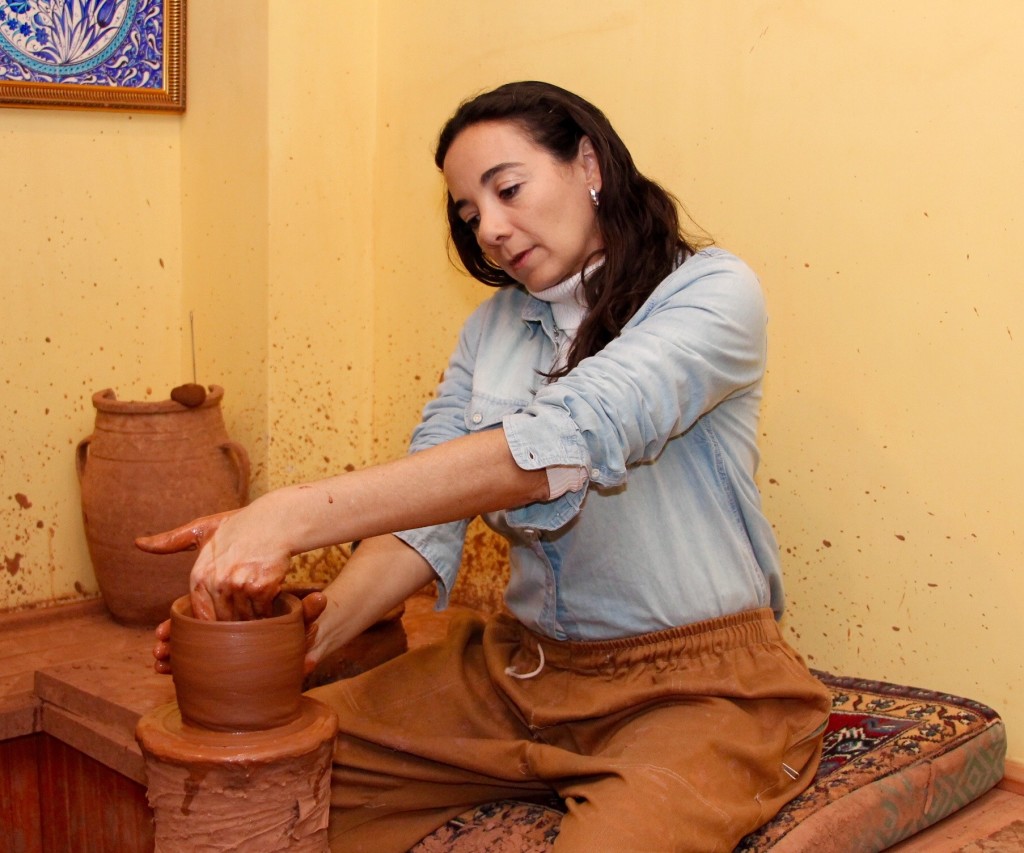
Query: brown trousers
681	740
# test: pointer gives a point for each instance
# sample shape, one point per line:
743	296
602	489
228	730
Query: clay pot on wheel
149	467
238	676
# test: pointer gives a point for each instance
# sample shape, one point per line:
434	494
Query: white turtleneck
568	309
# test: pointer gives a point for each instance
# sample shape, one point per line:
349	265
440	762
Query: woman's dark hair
639	220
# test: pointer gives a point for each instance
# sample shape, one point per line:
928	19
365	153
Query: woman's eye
508	192
473	222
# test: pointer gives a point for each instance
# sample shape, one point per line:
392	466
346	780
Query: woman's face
531	213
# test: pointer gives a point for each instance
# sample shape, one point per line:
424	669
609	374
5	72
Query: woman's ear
588	160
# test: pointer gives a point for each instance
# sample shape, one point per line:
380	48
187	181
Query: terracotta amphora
146	468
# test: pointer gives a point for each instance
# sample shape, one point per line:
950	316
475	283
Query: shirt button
477	417
594	473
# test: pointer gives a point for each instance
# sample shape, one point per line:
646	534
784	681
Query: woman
600	410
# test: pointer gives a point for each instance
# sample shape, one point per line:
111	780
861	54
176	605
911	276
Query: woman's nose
493	228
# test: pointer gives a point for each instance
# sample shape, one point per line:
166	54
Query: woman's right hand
241	564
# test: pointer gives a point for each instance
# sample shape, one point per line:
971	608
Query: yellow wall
865	160
90	275
225	213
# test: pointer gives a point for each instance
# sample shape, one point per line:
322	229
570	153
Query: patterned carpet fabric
504	827
896	760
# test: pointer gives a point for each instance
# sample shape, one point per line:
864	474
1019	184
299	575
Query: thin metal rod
192	336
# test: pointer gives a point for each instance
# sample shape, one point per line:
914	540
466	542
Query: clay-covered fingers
228	601
187	537
261	591
253	597
239	594
162	649
203	606
312	606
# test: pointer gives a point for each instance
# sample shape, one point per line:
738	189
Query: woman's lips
518	260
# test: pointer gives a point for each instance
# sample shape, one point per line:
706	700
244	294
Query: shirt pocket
484	411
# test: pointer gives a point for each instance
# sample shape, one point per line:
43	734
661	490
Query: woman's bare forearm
245	554
381	574
459	479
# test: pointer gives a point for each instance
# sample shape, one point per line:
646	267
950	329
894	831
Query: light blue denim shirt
669	528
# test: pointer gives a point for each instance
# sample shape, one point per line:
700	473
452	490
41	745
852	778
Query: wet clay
190	394
253	791
238	676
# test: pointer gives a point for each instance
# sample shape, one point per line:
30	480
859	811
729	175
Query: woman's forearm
381	574
245	554
459	479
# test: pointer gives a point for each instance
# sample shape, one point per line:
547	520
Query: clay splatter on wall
484	572
13	564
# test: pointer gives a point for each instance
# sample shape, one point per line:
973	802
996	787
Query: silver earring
595	197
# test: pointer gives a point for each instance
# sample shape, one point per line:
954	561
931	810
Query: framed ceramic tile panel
102	54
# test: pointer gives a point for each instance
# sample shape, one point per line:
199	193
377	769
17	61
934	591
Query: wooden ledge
73	672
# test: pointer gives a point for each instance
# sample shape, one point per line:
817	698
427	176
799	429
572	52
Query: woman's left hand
313	605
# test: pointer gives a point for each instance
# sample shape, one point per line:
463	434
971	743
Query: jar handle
82	455
240	459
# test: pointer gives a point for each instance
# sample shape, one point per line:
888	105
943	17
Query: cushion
896	760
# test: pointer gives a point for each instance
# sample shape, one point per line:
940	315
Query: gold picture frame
93	54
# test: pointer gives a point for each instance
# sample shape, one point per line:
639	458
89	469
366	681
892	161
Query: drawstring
521	675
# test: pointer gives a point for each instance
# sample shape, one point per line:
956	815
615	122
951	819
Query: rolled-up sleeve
441	546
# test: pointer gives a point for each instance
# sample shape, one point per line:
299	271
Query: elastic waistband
712	636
